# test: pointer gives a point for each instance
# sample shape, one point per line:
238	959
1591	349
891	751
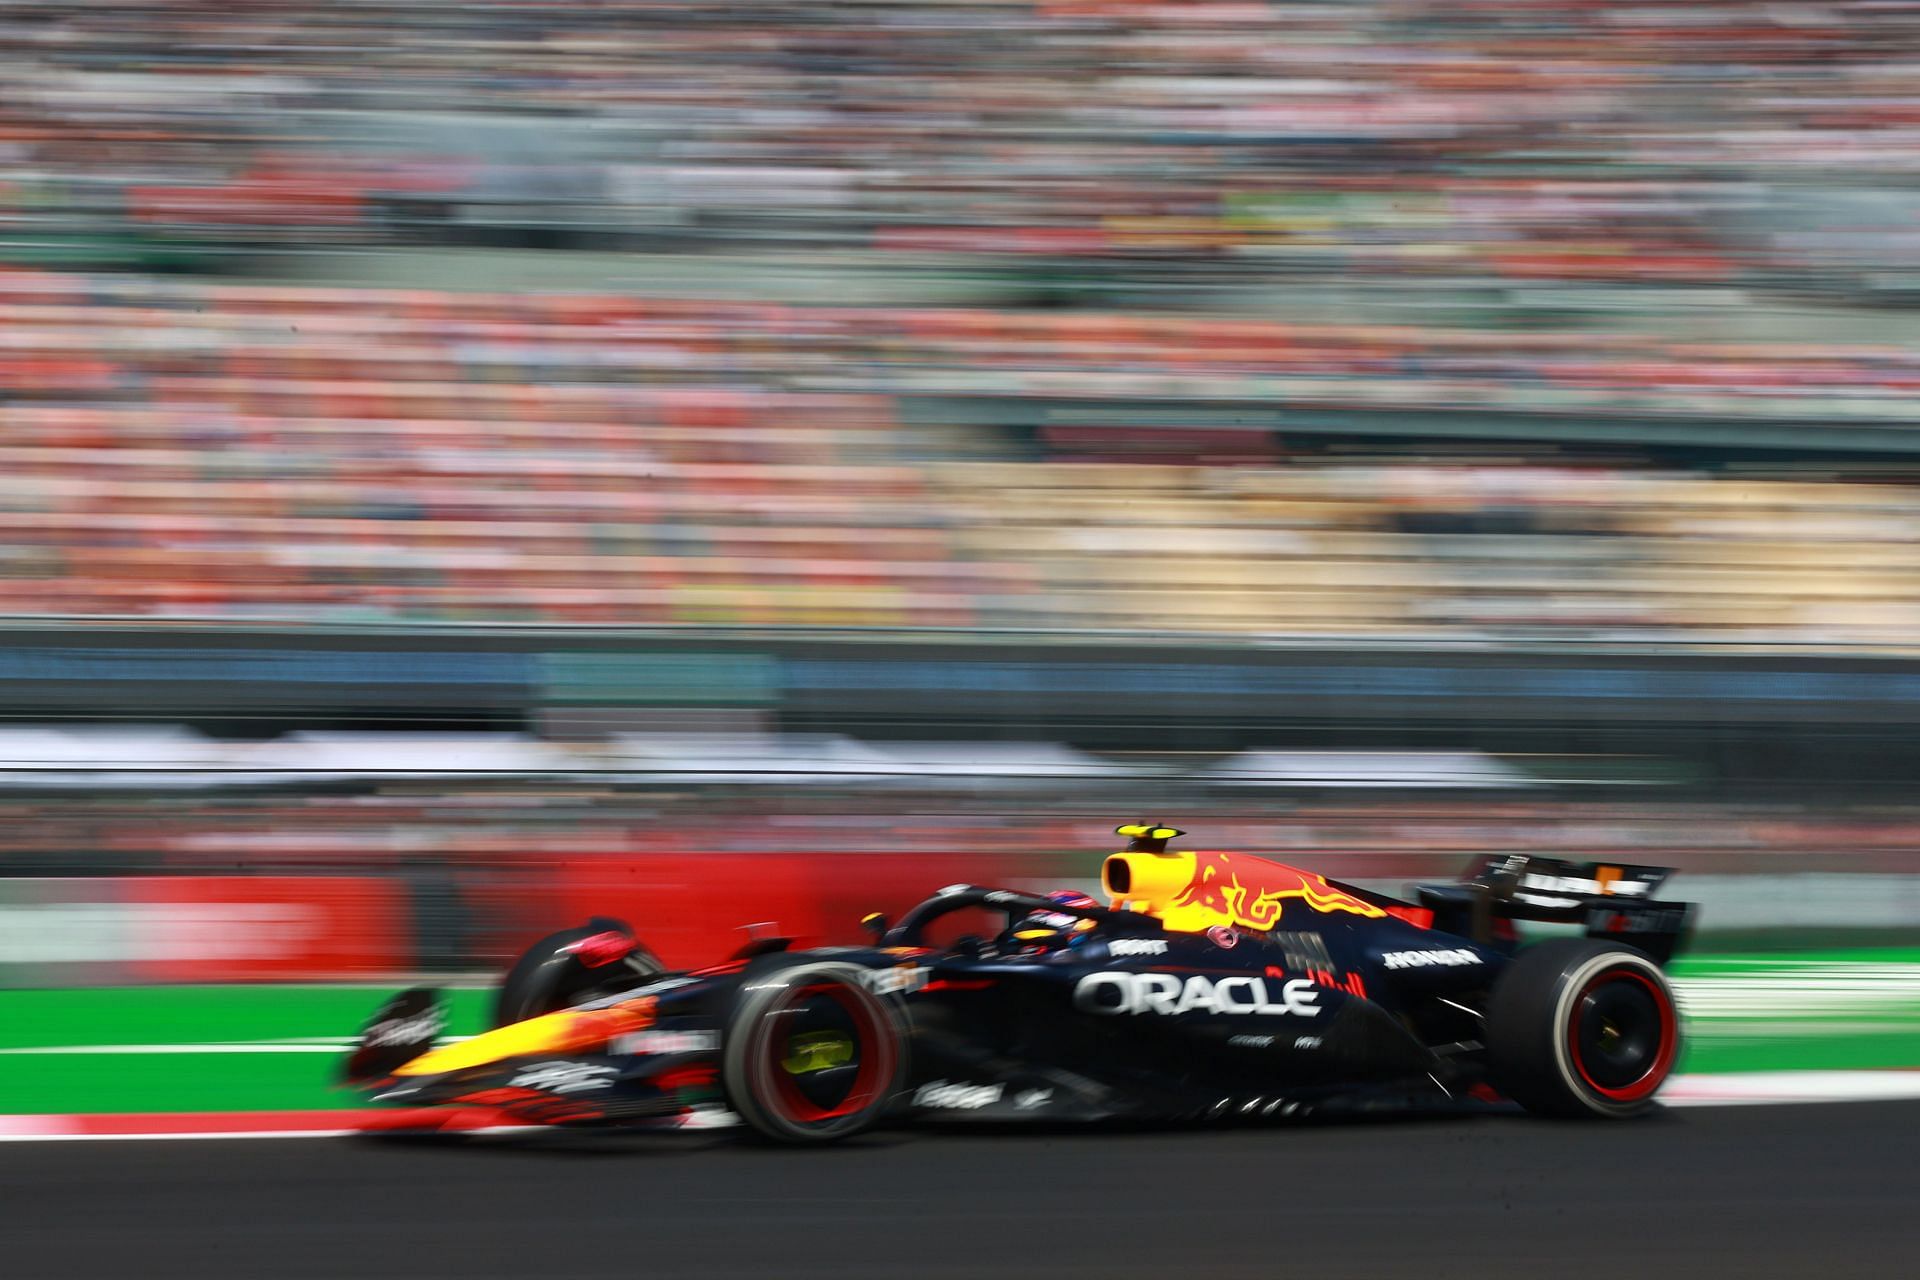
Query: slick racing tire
811	1054
547	977
1581	1028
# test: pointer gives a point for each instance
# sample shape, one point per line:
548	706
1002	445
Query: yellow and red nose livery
567	1031
1189	892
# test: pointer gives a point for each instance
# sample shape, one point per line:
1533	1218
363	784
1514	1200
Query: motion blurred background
466	466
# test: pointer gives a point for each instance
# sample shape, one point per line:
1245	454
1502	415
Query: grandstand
1530	144
182	449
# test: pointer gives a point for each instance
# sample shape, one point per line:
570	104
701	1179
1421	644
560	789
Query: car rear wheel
552	975
1578	1027
811	1054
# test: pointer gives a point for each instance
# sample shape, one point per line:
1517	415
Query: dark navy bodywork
1131	1019
1117	1017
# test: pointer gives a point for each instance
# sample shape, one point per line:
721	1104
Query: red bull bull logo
1229	889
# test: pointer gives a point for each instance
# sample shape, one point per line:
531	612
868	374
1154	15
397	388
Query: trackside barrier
691	908
228	928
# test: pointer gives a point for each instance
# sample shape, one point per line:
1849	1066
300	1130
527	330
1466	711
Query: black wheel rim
820	1054
1622	1035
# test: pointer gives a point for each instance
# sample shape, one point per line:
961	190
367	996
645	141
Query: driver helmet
1046	930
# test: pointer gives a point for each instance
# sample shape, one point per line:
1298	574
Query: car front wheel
811	1054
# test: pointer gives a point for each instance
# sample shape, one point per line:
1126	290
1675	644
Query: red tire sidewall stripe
1656	1074
875	1059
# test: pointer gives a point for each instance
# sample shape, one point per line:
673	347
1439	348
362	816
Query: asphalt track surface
1787	1191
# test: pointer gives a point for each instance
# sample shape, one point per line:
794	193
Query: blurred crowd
1518	140
173	446
180	448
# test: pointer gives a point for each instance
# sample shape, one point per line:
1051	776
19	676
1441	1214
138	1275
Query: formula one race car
1213	985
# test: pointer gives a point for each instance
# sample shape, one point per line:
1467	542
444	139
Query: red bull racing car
1209	985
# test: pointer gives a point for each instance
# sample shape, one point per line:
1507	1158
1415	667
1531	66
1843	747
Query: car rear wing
1613	900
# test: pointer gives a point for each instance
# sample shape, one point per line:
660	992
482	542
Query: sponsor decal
952	889
1250	891
1251	1042
140	931
899	980
200	928
1004	895
1637	917
1167	994
1223	937
1606	885
658	1041
564	1077
1137	947
944	1096
1422	959
421	1028
1032	1099
1306	1042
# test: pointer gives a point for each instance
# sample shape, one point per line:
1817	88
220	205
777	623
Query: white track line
1758	1088
75	1050
1748	1088
291	1044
